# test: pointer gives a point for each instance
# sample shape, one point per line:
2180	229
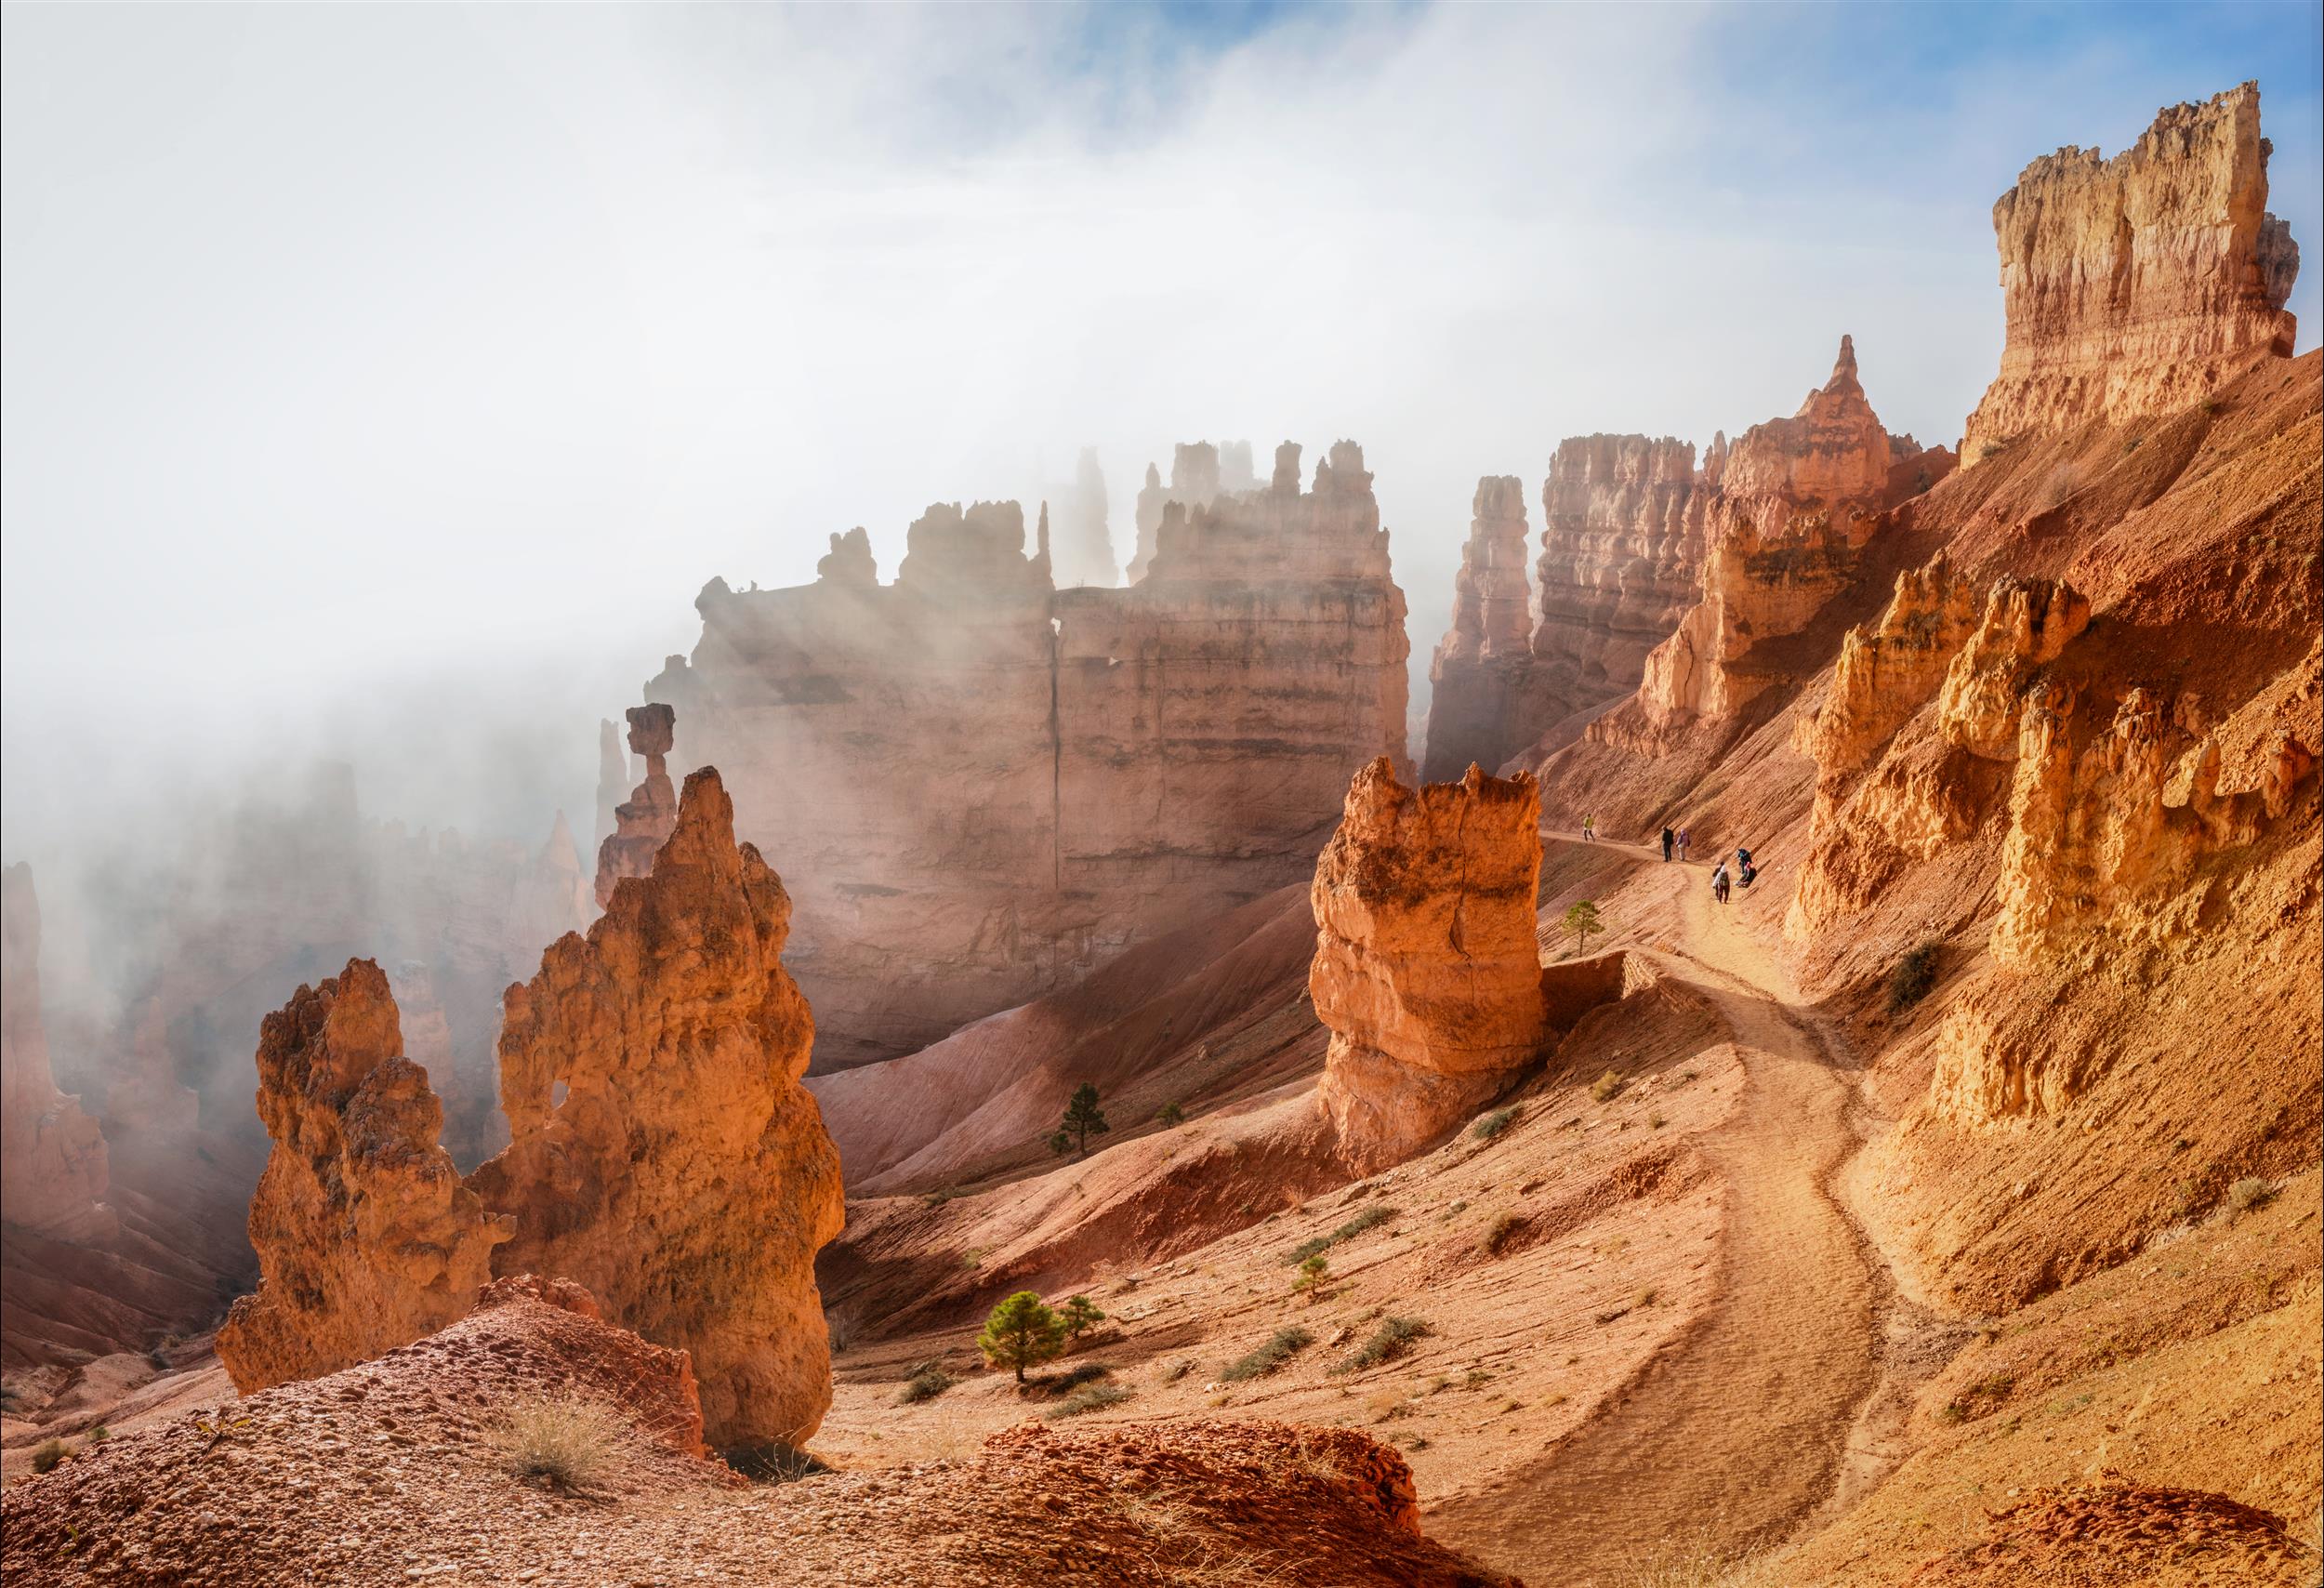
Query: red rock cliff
1427	969
662	1151
984	786
2135	285
367	1239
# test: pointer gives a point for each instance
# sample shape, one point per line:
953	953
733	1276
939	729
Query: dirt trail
1738	1431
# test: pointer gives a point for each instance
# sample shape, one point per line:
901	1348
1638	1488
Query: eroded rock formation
1200	473
662	1151
1084	548
1621	562
1797	500
849	560
1426	969
644	820
983	786
2135	285
1480	667
613	780
52	1155
367	1239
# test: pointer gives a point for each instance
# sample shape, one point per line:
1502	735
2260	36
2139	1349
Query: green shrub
1094	1398
1314	1271
1391	1340
1281	1347
1314	1247
1073	1378
1172	1113
1370	1218
48	1453
1493	1124
1913	977
928	1381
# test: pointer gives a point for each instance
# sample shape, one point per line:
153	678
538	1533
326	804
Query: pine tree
1082	1120
1581	920
1079	1315
1023	1332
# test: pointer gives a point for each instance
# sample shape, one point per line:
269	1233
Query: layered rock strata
1797	500
1200	473
985	786
366	1238
1426	969
1621	561
644	820
2137	284
662	1151
1481	666
52	1155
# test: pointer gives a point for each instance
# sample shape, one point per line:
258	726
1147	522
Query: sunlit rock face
2135	285
643	820
367	1239
982	787
1427	969
662	1151
52	1155
1796	501
1480	665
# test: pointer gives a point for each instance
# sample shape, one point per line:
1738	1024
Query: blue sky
358	356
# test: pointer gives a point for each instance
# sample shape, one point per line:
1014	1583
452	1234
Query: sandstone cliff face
983	786
367	1239
1797	500
644	820
1622	523
52	1155
2136	284
683	1174
1480	667
1426	966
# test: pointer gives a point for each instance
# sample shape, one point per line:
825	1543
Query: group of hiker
1676	841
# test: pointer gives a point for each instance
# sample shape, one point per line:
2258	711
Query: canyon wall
983	786
662	1151
366	1238
2135	285
1426	967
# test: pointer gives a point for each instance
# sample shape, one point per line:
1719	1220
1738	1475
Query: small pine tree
1315	1271
1079	1315
1023	1332
1172	1113
1082	1120
1061	1142
1581	920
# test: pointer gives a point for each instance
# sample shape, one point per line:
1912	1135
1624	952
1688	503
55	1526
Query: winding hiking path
1737	1430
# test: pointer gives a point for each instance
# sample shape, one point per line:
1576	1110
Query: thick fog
382	384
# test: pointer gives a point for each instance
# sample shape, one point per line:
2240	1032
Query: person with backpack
1590	830
1719	882
1669	840
1683	840
1745	868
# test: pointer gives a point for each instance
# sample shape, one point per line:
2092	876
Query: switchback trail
1737	1430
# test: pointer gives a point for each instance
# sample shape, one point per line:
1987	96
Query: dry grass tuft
566	1442
1605	1088
1091	1398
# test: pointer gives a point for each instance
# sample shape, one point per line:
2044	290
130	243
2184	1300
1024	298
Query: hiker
1745	868
1590	830
1670	841
1683	840
1719	882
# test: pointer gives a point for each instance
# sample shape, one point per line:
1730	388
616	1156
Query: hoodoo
1426	966
2137	284
644	820
1480	667
662	1151
365	1236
